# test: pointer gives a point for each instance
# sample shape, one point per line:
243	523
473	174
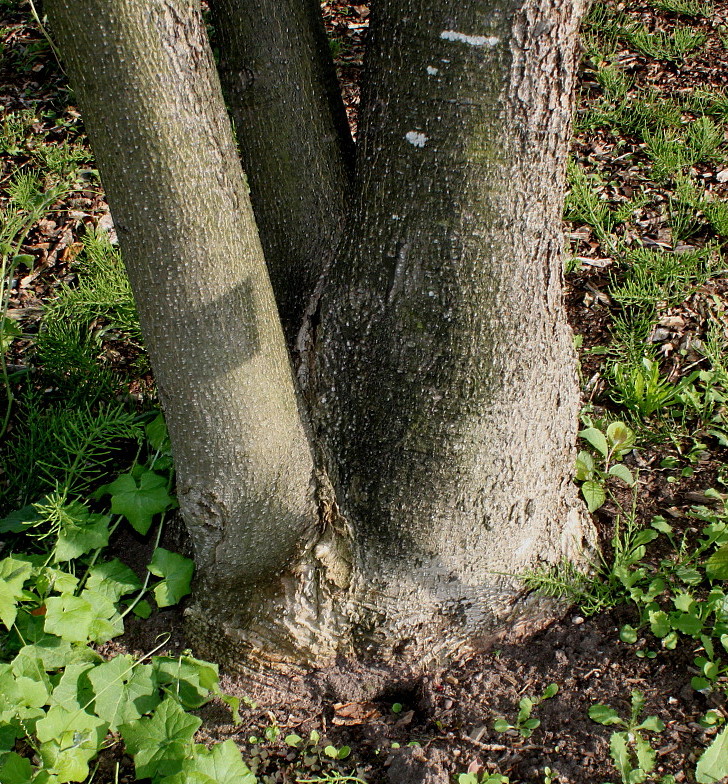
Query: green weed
631	750
525	724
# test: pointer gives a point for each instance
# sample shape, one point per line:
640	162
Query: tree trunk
151	100
438	373
446	371
294	139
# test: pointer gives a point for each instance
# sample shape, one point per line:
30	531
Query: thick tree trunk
445	365
294	139
438	366
151	100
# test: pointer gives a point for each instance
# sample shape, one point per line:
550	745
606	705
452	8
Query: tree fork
294	138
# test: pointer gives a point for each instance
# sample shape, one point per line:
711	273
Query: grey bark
151	100
438	364
447	382
294	139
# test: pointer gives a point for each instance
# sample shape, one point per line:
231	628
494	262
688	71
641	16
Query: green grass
695	9
674	46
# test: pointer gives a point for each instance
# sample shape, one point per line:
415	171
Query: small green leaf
716	567
293	740
222	764
597	439
646	755
688	624
70	739
142	609
594	495
621	471
80	532
620	753
13	574
331	751
550	691
660	524
621	437
531	724
16	770
397	707
188	680
628	634
9	331
177	573
140	498
603	714
584	466
652	723
713	764
501	725
659	623
344	752
69	617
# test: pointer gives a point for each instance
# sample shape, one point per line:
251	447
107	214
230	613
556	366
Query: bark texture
447	383
439	361
294	139
151	100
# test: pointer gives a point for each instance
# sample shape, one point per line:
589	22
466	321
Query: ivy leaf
124	692
597	439
70	739
73	690
140	497
187	679
158	436
222	764
177	573
13	574
716	567
113	579
19	521
80	532
594	495
15	769
160	743
69	617
713	765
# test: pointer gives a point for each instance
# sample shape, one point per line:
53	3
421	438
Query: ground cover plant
630	686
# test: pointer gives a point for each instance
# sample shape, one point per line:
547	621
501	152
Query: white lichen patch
416	138
432	71
472	40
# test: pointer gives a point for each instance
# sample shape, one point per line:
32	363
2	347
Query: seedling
610	446
630	747
525	725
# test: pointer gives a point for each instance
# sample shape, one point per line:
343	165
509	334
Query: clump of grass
692	8
672	47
